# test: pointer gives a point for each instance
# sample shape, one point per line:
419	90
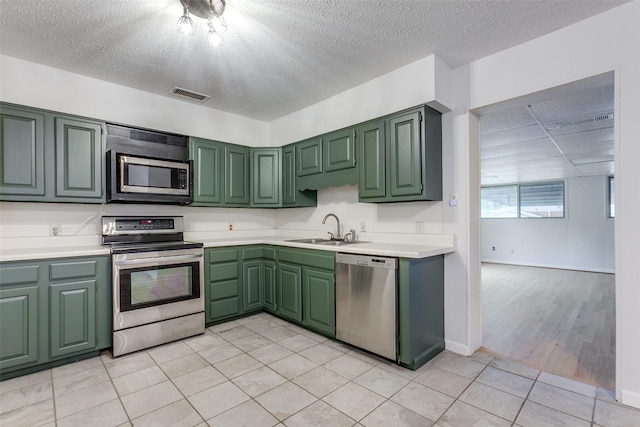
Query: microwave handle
159	259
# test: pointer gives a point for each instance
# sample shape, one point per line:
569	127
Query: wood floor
559	321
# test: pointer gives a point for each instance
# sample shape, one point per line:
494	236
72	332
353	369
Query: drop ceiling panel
515	134
579	105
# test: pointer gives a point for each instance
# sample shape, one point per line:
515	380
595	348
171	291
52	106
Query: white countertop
421	247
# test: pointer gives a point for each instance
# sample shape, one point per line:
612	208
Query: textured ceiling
553	139
279	55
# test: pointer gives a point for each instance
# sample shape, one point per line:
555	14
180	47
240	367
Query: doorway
546	230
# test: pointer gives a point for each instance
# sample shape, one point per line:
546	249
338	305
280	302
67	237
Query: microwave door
151	176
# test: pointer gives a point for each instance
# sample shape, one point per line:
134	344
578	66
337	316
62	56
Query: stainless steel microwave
138	179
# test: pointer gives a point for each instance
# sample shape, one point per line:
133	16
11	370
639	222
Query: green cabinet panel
339	150
324	260
78	158
309	157
252	285
19	274
207	170
266	180
236	175
21	152
372	153
72	321
289	291
19	313
319	300
269	286
420	310
68	270
405	155
291	196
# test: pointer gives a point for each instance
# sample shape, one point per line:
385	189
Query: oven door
154	286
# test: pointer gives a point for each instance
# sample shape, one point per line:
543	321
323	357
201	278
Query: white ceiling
282	55
551	139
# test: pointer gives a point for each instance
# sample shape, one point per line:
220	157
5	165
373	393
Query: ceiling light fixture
212	11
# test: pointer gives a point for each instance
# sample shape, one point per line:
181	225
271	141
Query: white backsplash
27	224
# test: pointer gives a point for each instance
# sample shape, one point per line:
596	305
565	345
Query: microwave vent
190	94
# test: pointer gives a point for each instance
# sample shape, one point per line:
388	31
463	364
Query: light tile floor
263	371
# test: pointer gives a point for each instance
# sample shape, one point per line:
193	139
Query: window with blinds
531	200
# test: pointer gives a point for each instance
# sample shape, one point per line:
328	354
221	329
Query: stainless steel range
158	293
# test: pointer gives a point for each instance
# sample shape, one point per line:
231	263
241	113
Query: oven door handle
160	260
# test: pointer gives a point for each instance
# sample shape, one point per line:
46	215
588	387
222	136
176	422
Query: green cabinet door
289	175
405	155
319	300
265	189
252	285
269	276
309	157
339	150
78	158
19	317
21	152
289	291
372	154
72	311
236	174
207	171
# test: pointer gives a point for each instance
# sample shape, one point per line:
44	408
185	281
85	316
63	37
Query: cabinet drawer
222	255
19	275
223	290
320	259
252	253
226	271
269	253
68	270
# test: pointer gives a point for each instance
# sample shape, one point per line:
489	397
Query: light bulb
186	25
219	24
214	38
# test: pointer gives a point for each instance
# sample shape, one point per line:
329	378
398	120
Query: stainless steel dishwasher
366	294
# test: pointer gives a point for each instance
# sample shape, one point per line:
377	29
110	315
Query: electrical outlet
230	226
55	230
363	226
453	200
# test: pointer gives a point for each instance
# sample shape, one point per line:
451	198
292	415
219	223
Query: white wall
35	85
395	218
582	240
604	43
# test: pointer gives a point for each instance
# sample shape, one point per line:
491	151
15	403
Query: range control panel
141	225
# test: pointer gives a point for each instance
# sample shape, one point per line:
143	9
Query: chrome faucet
337	236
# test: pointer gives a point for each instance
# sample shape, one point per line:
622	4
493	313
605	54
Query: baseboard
630	398
457	347
559	267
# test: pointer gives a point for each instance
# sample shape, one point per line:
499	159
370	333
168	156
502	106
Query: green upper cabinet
339	150
50	157
236	162
207	171
401	157
266	177
405	155
309	157
372	152
78	158
291	197
21	151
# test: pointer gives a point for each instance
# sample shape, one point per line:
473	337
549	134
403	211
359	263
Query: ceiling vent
190	94
603	117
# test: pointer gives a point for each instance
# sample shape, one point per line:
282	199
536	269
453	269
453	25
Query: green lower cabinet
252	285
289	291
19	315
319	300
72	317
420	310
269	285
53	311
223	291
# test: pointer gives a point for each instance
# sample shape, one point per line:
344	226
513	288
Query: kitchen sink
326	242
